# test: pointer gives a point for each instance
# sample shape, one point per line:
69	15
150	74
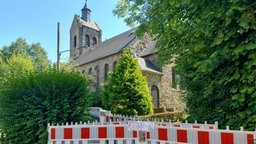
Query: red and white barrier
115	118
84	134
188	125
118	118
200	136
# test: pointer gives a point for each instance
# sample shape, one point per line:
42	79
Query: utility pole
58	47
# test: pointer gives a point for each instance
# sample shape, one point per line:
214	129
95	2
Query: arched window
94	41
83	71
90	71
75	39
87	40
155	96
106	69
114	66
97	72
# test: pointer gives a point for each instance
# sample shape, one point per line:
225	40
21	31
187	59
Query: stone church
96	58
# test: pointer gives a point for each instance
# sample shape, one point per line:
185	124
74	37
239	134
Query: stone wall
80	31
153	79
101	64
141	45
91	33
169	97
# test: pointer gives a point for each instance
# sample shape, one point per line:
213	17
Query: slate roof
108	47
116	45
147	65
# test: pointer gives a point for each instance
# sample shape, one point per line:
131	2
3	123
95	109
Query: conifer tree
127	91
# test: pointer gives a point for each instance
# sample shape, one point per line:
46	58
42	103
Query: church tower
84	33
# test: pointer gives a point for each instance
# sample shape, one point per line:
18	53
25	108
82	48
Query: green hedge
161	110
166	116
29	102
158	110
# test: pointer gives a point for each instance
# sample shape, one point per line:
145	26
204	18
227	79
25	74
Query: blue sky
36	21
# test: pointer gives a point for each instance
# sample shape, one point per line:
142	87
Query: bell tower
84	33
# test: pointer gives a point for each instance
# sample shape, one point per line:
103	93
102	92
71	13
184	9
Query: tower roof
86	5
89	24
86	12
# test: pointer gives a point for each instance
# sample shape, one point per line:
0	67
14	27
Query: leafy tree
14	66
28	102
1	55
127	91
96	99
66	66
34	51
213	43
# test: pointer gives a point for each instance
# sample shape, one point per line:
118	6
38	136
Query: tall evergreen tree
127	91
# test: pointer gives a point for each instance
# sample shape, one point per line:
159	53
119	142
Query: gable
75	23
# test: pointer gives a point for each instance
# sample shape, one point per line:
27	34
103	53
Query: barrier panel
115	118
119	118
200	136
123	134
91	134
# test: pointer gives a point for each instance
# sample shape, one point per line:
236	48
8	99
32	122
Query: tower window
94	41
87	40
75	39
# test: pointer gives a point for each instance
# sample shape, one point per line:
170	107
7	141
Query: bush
158	110
166	116
29	102
95	99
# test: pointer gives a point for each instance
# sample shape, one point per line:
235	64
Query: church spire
86	12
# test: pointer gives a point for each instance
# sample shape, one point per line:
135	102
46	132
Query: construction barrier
200	136
119	118
115	118
127	134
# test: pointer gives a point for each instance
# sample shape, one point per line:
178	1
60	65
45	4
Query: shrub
28	102
166	116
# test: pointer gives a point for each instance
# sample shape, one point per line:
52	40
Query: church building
96	58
